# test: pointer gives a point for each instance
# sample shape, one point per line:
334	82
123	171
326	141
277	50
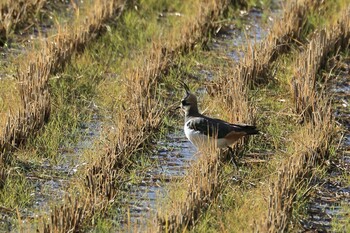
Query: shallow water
51	188
232	40
172	157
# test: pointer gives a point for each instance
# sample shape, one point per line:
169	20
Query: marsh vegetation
91	141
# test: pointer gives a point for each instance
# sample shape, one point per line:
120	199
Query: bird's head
189	102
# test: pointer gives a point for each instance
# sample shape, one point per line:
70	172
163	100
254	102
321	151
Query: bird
202	130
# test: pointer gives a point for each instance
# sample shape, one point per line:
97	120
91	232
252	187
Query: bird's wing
210	126
219	128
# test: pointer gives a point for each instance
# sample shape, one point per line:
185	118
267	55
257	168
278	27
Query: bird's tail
248	129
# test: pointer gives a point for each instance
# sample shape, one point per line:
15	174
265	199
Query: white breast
201	140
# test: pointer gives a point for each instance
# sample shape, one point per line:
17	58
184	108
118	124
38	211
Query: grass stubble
338	70
298	152
33	74
235	105
313	105
107	160
98	183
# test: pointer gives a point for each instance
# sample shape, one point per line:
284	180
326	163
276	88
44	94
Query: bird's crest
187	89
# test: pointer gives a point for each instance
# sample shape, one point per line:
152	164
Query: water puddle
51	188
172	157
231	38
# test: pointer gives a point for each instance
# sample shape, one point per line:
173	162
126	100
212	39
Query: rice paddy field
91	136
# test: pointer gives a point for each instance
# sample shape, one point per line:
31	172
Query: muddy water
50	188
174	155
333	191
172	158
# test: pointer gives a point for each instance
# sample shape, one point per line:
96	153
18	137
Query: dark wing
211	127
248	129
219	128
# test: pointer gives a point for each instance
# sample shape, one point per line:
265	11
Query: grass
341	222
18	22
16	192
112	99
283	142
128	82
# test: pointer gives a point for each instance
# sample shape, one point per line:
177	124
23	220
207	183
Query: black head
189	102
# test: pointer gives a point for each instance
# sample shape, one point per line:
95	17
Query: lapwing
202	130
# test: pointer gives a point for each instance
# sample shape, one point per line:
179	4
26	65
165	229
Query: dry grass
287	30
35	70
308	64
138	111
193	194
138	114
32	110
311	147
230	94
190	197
13	13
312	143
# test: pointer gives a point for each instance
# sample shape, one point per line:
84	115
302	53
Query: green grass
323	16
92	78
16	192
341	223
96	77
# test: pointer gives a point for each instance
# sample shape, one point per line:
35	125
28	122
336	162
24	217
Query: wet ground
50	186
32	29
172	158
231	37
174	155
328	208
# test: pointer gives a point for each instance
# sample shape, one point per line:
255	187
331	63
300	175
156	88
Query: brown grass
287	30
184	206
313	141
138	112
311	148
35	70
230	94
13	13
33	74
308	64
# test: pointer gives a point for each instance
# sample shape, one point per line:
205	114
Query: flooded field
90	140
172	159
175	154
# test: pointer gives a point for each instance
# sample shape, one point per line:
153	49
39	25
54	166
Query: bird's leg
232	156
